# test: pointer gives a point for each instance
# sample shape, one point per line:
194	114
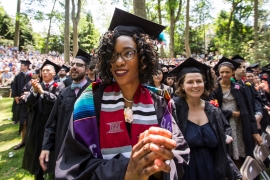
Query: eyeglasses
77	64
127	55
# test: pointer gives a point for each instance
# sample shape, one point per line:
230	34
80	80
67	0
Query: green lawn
10	168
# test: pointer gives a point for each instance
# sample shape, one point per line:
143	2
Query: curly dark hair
181	93
146	48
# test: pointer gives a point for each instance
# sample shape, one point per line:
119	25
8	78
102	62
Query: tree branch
73	10
178	11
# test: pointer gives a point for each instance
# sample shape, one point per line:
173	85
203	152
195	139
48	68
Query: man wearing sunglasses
58	121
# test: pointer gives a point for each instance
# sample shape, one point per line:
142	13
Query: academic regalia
246	116
40	107
76	161
67	81
24	110
56	127
39	111
19	82
221	128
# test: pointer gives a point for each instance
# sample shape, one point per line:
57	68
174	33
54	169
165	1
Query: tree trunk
172	26
230	19
49	29
256	17
173	21
17	25
188	53
67	36
75	22
162	52
139	8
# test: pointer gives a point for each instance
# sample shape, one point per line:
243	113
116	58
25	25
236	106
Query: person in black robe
24	110
243	117
203	125
125	63
251	93
18	83
56	127
63	77
40	101
91	71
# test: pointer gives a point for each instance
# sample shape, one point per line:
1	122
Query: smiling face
77	73
225	73
193	85
125	72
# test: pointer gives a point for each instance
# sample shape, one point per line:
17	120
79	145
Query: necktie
75	86
47	86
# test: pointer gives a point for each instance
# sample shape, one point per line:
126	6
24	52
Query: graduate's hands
17	99
24	95
150	153
44	159
35	84
235	113
229	139
258	139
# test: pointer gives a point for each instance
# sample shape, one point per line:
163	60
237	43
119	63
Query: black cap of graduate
237	58
249	70
225	61
192	66
129	24
83	56
256	65
48	62
65	68
25	62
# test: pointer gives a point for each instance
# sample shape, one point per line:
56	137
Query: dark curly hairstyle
147	52
181	93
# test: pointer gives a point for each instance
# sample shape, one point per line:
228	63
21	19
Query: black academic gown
75	160
39	111
246	114
24	109
57	124
18	83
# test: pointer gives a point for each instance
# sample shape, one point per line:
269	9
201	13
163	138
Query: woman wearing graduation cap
232	100
203	125
121	129
40	101
157	82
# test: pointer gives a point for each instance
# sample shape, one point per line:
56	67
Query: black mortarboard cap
256	65
129	24
264	67
237	58
65	68
249	70
225	61
48	62
192	66
25	62
172	66
83	56
37	71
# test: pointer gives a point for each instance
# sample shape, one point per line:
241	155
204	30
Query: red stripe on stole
113	139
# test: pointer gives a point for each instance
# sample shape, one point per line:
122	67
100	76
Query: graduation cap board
129	24
238	58
25	62
249	70
192	66
55	66
83	56
65	68
227	62
256	65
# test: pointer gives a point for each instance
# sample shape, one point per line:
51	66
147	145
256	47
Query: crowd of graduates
123	113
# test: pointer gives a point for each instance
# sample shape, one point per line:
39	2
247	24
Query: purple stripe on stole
166	122
86	132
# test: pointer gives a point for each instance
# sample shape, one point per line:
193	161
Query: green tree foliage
6	25
88	34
